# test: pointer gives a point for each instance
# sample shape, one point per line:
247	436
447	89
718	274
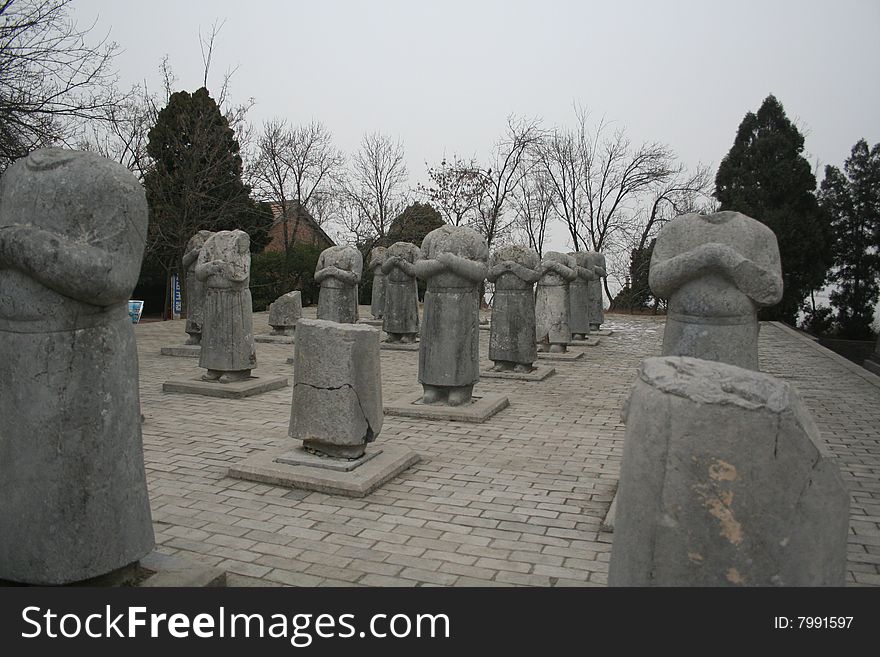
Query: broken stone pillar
552	330
338	273
72	483
581	295
514	270
401	321
337	390
377	300
724	482
595	301
716	271
285	312
228	351
195	289
453	263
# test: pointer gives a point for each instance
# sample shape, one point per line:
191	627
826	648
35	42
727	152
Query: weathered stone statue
454	265
514	270
195	289
716	271
581	304
337	390
724	483
224	265
594	289
338	273
401	321
377	301
285	312
552	302
74	494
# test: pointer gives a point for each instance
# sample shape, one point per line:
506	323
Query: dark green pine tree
195	182
766	177
852	202
411	225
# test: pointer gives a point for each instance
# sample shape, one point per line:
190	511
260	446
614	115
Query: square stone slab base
177	571
184	350
589	342
236	390
399	346
366	477
371	322
299	456
540	373
568	355
154	570
274	339
602	332
481	408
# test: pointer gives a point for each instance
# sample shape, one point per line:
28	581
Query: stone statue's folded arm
190	257
587	273
323	272
524	273
389	263
406	267
567	273
206	268
472	270
496	271
668	273
599	271
82	271
760	283
428	268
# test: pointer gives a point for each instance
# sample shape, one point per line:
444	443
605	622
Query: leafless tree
510	163
52	76
454	189
535	203
295	168
376	186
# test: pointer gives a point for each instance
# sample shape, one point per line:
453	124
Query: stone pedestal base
236	390
371	321
364	475
568	355
268	338
601	332
399	346
481	408
540	373
154	570
182	350
589	342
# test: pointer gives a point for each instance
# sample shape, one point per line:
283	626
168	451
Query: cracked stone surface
724	481
337	391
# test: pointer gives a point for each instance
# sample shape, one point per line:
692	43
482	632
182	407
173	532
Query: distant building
301	226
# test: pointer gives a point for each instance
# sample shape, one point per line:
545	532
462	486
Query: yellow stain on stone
695	557
734	577
722	471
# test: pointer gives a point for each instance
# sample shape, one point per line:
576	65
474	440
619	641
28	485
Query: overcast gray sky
443	75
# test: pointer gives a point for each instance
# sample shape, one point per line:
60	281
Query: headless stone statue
594	289
716	271
454	265
401	321
72	483
579	295
224	265
338	273
724	482
552	330
195	289
377	301
514	270
285	312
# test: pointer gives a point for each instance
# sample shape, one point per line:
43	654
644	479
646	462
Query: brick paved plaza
518	500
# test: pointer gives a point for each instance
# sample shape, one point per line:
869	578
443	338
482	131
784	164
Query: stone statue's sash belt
50	324
734	320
